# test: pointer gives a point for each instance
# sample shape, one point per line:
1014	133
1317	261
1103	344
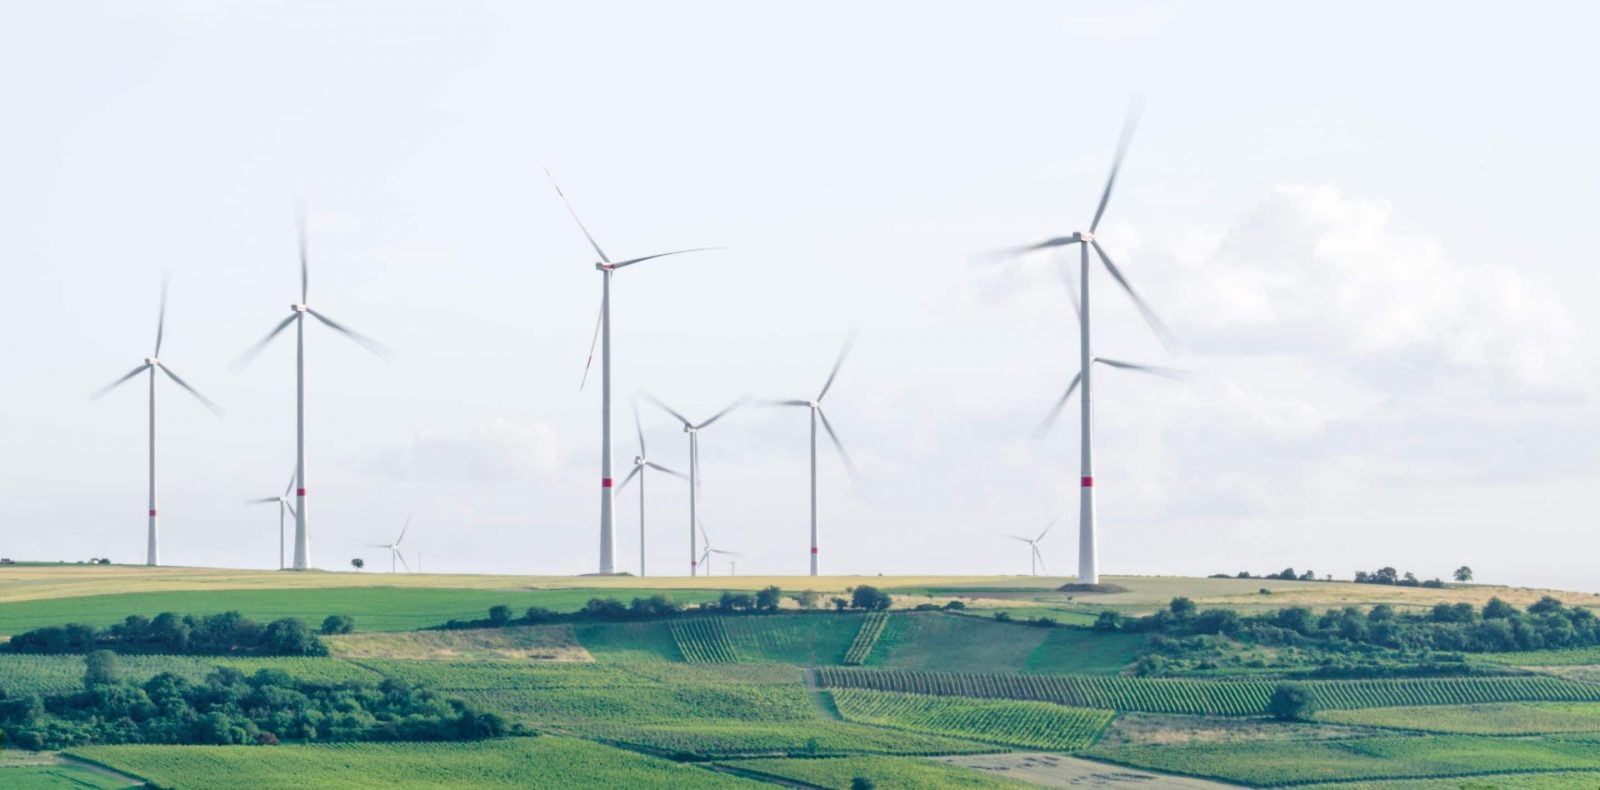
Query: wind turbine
693	429
705	556
1088	558
640	463
602	335
815	406
1035	559
297	316
283	504
394	548
152	364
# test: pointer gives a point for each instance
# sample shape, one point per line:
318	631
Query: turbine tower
1088	559
283	504
1035	559
815	406
297	316
394	548
640	463
152	364
602	335
693	429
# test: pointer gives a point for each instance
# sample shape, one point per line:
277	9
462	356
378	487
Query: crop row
1223	698
702	640
1023	724
866	638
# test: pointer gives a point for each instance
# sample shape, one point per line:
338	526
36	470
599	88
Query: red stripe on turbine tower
300	492
605	482
1088	482
813	549
152	512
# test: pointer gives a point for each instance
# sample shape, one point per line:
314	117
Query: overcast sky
1369	223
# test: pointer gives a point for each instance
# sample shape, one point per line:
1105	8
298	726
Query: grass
35	674
718	739
374	608
1566	780
1023	725
953	643
803	639
49	771
1274	762
702	640
544	762
1071	651
514	643
1510	718
1543	658
901	773
628	642
316	670
866	638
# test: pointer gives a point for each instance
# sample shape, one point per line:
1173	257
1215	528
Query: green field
374	608
547	762
1566	780
31	674
1507	718
900	773
702	640
1023	725
49	771
866	638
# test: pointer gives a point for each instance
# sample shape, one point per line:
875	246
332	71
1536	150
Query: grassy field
515	643
50	771
1567	780
1023	725
31	674
546	762
900	773
954	643
1510	718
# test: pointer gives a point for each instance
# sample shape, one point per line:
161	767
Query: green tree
499	615
809	599
869	598
100	668
1108	621
1463	574
1496	609
358	563
768	598
338	624
862	783
1181	608
1291	702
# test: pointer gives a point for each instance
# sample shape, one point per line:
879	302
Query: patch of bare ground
514	643
1057	770
1583	673
1149	729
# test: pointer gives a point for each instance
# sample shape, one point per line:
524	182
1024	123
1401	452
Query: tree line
213	634
660	605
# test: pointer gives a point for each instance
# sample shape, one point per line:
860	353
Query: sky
1367	223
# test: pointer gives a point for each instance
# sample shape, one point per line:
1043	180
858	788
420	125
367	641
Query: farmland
906	698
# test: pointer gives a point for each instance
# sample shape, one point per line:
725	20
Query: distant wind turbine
705	556
815	407
1035	559
297	316
394	548
693	429
152	364
640	463
283	504
602	335
1088	557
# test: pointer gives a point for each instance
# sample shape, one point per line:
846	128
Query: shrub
1291	702
1108	621
338	624
954	605
869	598
100	668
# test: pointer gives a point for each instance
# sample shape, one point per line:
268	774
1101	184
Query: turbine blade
291	509
783	403
1162	332
371	345
1018	537
1064	268
97	394
633	261
1128	125
668	409
719	415
638	428
300	230
725	551
849	465
663	469
1040	557
1012	252
161	321
403	530
849	343
593	341
263	501
403	562
247	356
1169	373
629	478
290	486
1055	411
586	234
1046	531
215	409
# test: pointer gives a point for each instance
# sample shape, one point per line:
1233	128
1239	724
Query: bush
861	783
100	668
954	605
338	624
1108	621
1291	702
869	598
767	599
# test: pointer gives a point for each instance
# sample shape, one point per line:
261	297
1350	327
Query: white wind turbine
640	463
394	548
602	335
1035	559
693	429
152	364
1088	559
815	407
283	504
705	556
297	316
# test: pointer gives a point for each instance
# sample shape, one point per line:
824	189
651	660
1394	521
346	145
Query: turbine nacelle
1083	236
604	267
152	361
300	308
